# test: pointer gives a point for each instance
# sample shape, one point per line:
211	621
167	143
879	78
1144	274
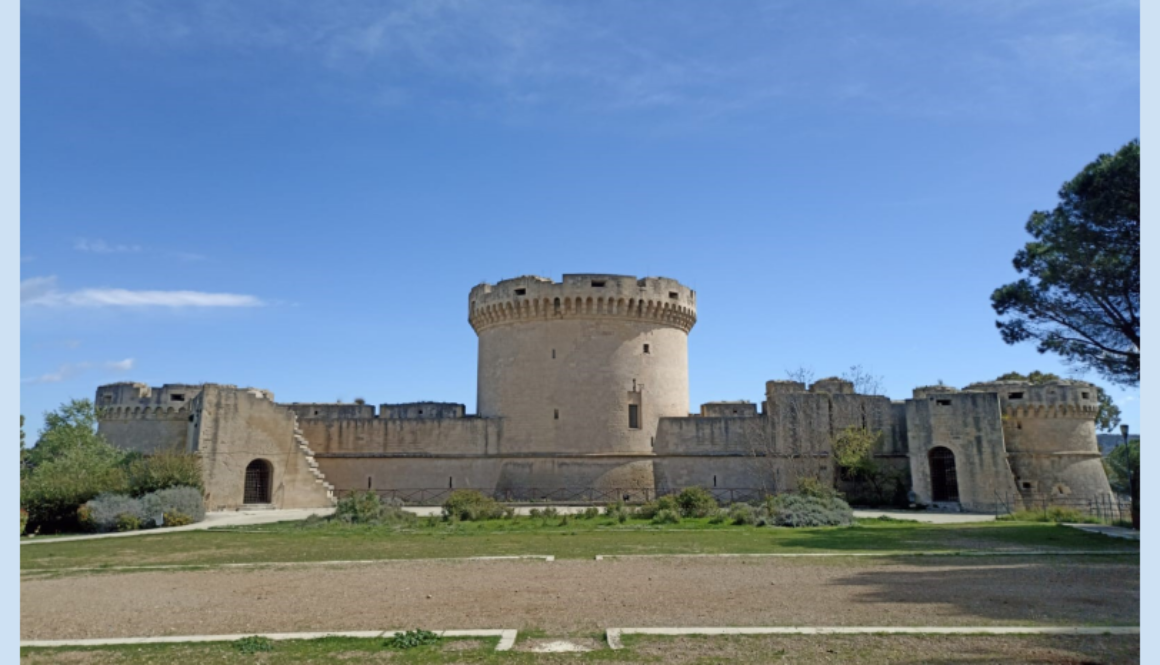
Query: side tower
1050	434
583	366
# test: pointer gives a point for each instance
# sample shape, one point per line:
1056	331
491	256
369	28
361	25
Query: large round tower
585	366
1050	434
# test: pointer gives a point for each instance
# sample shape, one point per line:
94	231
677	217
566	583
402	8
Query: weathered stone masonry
583	383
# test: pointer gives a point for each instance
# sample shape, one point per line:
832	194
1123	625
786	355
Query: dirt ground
574	596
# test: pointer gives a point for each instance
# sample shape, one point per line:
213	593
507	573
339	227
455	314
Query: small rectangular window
646	348
109	398
555	414
521	292
633	416
674	295
598	283
944	402
1014	395
177	397
553	354
1085	395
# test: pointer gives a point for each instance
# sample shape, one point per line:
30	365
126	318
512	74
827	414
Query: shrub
412	639
797	510
472	505
743	514
565	520
173	518
253	644
550	512
719	516
23	520
591	512
54	490
696	502
359	508
105	511
650	509
368	508
128	522
815	488
162	470
667	516
186	501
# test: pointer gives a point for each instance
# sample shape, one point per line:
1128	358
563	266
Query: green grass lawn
578	538
806	650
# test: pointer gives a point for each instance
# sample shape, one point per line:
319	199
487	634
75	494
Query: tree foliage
1106	418
72	426
1080	298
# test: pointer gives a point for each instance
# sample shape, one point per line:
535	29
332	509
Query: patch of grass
1055	514
803	649
411	639
291	542
253	644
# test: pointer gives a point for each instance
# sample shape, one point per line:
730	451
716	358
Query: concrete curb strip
792	555
547	558
613	635
506	641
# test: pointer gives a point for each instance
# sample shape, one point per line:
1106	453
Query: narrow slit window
633	416
450	482
553	354
714	481
368	482
555	414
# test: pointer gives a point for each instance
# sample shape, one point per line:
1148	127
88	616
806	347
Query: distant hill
1109	441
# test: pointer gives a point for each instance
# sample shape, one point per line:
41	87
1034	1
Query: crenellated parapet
1058	399
587	296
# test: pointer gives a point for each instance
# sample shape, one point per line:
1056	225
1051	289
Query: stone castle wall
583	383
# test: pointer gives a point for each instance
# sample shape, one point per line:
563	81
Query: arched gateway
944	482
259	476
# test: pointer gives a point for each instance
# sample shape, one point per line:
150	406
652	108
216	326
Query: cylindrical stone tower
1050	433
585	366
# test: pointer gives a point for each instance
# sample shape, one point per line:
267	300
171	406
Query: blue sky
299	195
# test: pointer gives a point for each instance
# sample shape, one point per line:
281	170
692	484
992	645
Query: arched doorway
259	476
944	483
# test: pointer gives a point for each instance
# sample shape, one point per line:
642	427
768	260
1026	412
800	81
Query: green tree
1107	418
1080	298
1123	468
23	450
73	425
853	450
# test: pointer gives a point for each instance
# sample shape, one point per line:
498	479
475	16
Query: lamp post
1132	489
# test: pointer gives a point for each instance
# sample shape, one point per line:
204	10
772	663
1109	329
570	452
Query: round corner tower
582	366
1050	434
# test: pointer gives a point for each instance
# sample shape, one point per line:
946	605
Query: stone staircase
311	463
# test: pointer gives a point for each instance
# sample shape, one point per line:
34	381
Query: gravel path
568	596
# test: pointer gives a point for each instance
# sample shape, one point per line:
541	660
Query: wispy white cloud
43	292
101	247
69	370
917	57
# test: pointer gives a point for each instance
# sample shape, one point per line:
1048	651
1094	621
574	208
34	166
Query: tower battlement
1058	399
658	299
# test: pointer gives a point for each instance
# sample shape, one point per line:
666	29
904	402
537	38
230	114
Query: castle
583	395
